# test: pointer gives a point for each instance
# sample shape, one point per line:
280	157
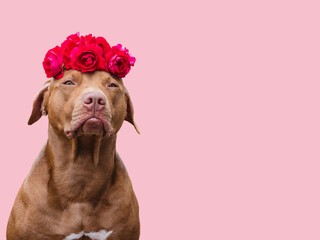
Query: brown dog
78	187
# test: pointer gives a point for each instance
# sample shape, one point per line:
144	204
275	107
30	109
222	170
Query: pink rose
119	61
53	63
67	46
87	58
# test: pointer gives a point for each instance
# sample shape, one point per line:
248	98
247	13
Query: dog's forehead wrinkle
92	90
72	74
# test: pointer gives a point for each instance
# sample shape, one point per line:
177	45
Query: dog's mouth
91	125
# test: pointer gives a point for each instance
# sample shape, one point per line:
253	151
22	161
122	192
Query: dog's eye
112	85
68	83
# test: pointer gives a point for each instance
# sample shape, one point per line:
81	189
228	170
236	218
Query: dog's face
84	103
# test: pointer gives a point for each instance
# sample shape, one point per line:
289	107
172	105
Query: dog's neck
89	148
80	160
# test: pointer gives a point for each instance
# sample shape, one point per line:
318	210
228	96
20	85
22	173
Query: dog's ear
39	104
129	116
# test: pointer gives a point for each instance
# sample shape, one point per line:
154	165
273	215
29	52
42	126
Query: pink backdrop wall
226	95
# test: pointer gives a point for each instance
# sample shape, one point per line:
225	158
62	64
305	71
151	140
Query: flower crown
86	54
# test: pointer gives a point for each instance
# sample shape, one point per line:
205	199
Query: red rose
53	63
101	42
87	58
87	39
119	61
67	46
87	53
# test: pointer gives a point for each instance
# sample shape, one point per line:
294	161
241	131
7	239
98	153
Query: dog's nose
94	100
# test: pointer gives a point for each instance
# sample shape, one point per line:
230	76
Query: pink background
226	95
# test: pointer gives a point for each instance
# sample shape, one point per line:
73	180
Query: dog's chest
81	215
80	181
84	220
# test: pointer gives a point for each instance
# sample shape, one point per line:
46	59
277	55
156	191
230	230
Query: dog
78	187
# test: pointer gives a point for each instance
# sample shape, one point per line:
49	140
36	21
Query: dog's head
84	103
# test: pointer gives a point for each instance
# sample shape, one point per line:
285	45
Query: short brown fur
80	183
